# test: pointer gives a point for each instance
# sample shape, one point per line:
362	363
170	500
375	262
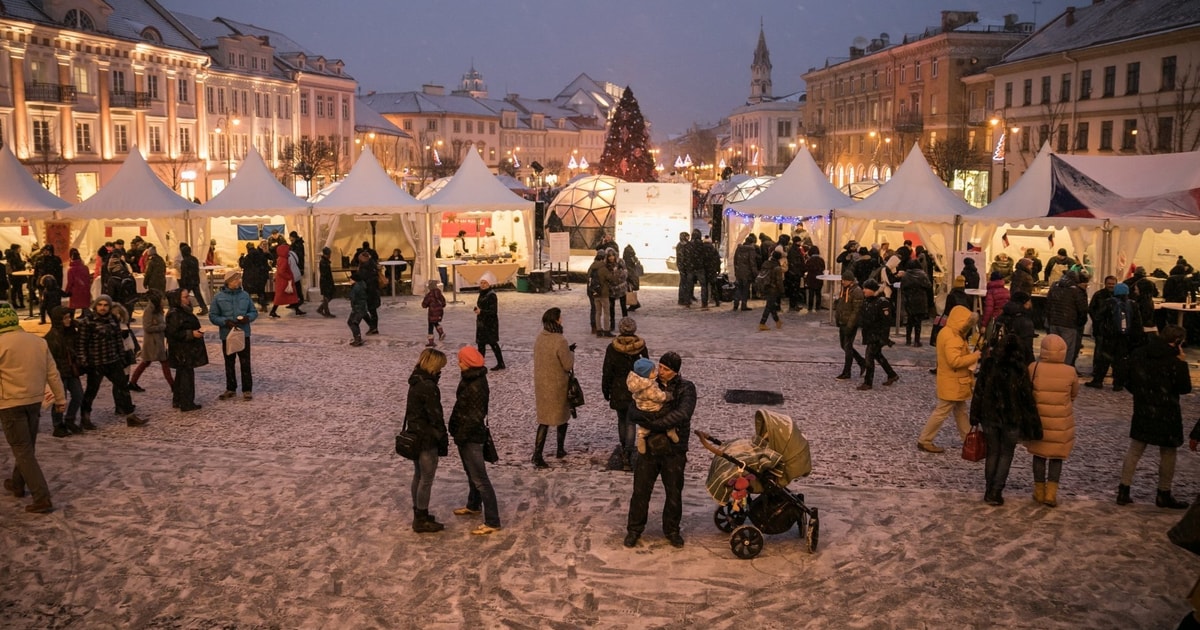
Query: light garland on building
748	219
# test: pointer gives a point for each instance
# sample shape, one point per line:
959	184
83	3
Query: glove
571	347
229	323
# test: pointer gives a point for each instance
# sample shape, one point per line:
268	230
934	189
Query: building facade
865	112
766	132
1111	78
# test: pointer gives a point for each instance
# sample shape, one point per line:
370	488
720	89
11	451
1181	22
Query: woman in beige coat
1055	387
553	359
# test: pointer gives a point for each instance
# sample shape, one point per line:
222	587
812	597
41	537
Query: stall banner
650	217
58	234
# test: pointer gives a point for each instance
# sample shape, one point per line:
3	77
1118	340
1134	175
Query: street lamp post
222	130
1000	153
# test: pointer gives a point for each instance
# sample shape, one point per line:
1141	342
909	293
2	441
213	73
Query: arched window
887	173
874	172
151	34
841	176
79	20
850	175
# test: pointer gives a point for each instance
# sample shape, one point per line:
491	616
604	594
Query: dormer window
152	35
79	20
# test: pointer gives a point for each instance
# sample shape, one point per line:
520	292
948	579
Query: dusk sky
686	60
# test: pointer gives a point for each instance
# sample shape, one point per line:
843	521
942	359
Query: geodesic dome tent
748	187
586	208
721	189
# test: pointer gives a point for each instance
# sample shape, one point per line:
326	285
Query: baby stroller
748	478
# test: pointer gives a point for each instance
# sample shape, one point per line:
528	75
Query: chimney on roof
1070	16
1010	21
856	53
954	19
433	90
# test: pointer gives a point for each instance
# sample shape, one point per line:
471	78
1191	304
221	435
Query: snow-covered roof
23	196
367	119
128	20
254	192
802	190
422	103
1104	22
367	190
914	193
135	192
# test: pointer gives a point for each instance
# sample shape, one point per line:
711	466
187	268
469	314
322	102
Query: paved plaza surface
291	511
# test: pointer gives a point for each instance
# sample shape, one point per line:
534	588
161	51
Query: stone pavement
290	511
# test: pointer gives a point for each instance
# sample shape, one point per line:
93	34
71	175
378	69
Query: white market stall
24	204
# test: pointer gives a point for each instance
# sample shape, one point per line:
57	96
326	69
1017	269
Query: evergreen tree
626	150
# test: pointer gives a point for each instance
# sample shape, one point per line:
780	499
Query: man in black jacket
745	268
668	462
876	320
1066	312
846	308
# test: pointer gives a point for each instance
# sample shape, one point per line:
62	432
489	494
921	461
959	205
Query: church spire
760	70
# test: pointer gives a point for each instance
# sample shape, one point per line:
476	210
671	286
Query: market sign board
650	217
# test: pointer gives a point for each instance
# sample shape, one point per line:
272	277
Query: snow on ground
291	510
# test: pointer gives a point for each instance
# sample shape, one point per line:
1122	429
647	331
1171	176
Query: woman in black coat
256	270
423	416
468	425
185	349
1004	404
487	319
1158	376
619	358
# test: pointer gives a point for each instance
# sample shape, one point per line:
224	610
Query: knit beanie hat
627	326
489	278
871	285
9	320
470	357
1120	289
672	361
232	275
848	274
644	367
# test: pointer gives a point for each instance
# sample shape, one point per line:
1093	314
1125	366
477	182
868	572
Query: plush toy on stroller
748	478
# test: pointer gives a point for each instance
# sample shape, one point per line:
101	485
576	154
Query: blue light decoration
748	219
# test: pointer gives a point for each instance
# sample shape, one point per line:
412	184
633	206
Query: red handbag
974	446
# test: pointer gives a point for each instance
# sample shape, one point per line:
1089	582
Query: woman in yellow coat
1055	387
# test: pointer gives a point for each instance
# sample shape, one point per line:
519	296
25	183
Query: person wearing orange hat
468	426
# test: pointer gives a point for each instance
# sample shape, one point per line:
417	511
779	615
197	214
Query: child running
647	396
436	303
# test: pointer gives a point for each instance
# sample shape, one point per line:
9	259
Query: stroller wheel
746	542
726	519
813	532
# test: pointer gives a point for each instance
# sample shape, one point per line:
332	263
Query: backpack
994	334
1121	319
762	280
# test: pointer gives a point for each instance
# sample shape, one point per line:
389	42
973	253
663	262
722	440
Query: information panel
650	217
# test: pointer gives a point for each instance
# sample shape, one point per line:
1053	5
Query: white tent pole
187	217
829	253
958	235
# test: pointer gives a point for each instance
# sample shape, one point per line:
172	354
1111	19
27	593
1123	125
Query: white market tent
915	198
135	201
367	193
801	195
253	194
475	190
23	199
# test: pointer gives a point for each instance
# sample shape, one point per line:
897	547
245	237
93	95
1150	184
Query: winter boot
1123	497
430	343
562	437
539	443
1039	492
85	421
1051	499
762	327
499	359
358	341
778	324
441	333
273	312
423	523
1165	500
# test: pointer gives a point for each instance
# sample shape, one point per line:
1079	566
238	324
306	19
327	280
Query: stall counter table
470	273
395	277
1180	309
831	280
28	273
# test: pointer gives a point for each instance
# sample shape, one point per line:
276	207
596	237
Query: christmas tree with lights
627	147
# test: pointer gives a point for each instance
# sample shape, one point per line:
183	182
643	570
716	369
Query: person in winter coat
185	349
997	296
1002	265
793	276
325	281
1142	291
100	351
955	378
52	295
423	415
121	285
970	274
1066	311
913	286
435	304
468	426
553	360
619	358
1095	306
1004	404
848	256
154	341
1024	277
233	308
846	310
155	270
286	272
1035	263
709	260
1055	387
1116	340
256	270
487	319
1016	320
61	341
634	268
49	264
686	268
1158	376
772	290
745	269
79	283
189	276
876	320
368	271
597	293
956	297
358	312
1057	266
618	287
814	266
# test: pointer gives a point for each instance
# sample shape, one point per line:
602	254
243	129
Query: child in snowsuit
358	309
436	303
643	386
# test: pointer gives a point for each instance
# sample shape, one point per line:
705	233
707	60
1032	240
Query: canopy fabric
254	192
474	188
23	197
134	193
801	191
368	189
914	193
1154	174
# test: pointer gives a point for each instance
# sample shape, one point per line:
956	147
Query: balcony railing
129	100
816	131
977	117
49	93
910	122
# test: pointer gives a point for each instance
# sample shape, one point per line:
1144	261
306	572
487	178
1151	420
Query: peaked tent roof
914	193
1154	174
1028	197
254	192
135	192
23	196
802	190
367	190
473	188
